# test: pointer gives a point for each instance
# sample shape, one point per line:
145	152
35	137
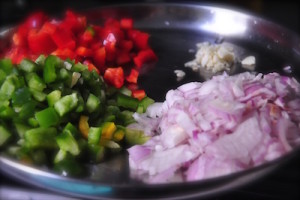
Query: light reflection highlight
226	22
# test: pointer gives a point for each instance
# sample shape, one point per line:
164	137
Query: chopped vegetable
114	76
221	126
4	135
103	48
63	110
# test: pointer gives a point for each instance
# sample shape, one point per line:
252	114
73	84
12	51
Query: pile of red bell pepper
116	49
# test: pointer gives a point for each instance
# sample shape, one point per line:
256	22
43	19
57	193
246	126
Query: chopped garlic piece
179	74
213	57
249	63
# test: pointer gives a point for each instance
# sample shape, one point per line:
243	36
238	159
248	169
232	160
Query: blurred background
281	185
283	12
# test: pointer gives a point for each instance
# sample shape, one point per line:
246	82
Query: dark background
284	184
283	12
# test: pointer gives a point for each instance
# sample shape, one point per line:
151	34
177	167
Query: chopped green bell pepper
5	134
66	104
41	138
47	117
66	142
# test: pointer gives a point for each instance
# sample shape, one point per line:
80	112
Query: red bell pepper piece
143	57
140	39
110	47
90	65
126	23
114	76
132	86
63	38
99	58
19	40
40	42
112	26
20	37
87	37
126	45
83	51
111	22
133	76
64	53
16	54
73	22
139	94
48	28
122	58
36	20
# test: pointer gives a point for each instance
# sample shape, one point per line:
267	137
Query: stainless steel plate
175	29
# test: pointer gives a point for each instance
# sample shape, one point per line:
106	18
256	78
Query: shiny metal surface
174	30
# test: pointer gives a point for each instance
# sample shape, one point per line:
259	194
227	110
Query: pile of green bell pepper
59	114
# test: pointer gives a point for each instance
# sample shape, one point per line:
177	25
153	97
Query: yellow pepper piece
119	135
84	126
108	129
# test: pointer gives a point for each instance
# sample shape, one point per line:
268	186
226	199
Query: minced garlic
213	57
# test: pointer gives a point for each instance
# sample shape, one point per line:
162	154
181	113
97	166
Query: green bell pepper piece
66	142
127	102
28	66
5	134
49	73
66	104
70	127
21	128
6	65
7	88
92	103
94	135
47	117
53	97
35	82
38	95
21	96
41	138
96	153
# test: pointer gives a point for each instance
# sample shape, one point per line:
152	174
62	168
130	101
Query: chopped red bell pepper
114	76
126	45
64	53
143	57
48	28
132	86
110	47
91	66
83	51
40	42
112	26
19	40
122	58
99	58
63	38
116	43
36	20
138	94
20	37
140	39
87	37
73	22
16	54
133	76
126	23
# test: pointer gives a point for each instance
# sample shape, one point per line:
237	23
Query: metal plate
174	30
